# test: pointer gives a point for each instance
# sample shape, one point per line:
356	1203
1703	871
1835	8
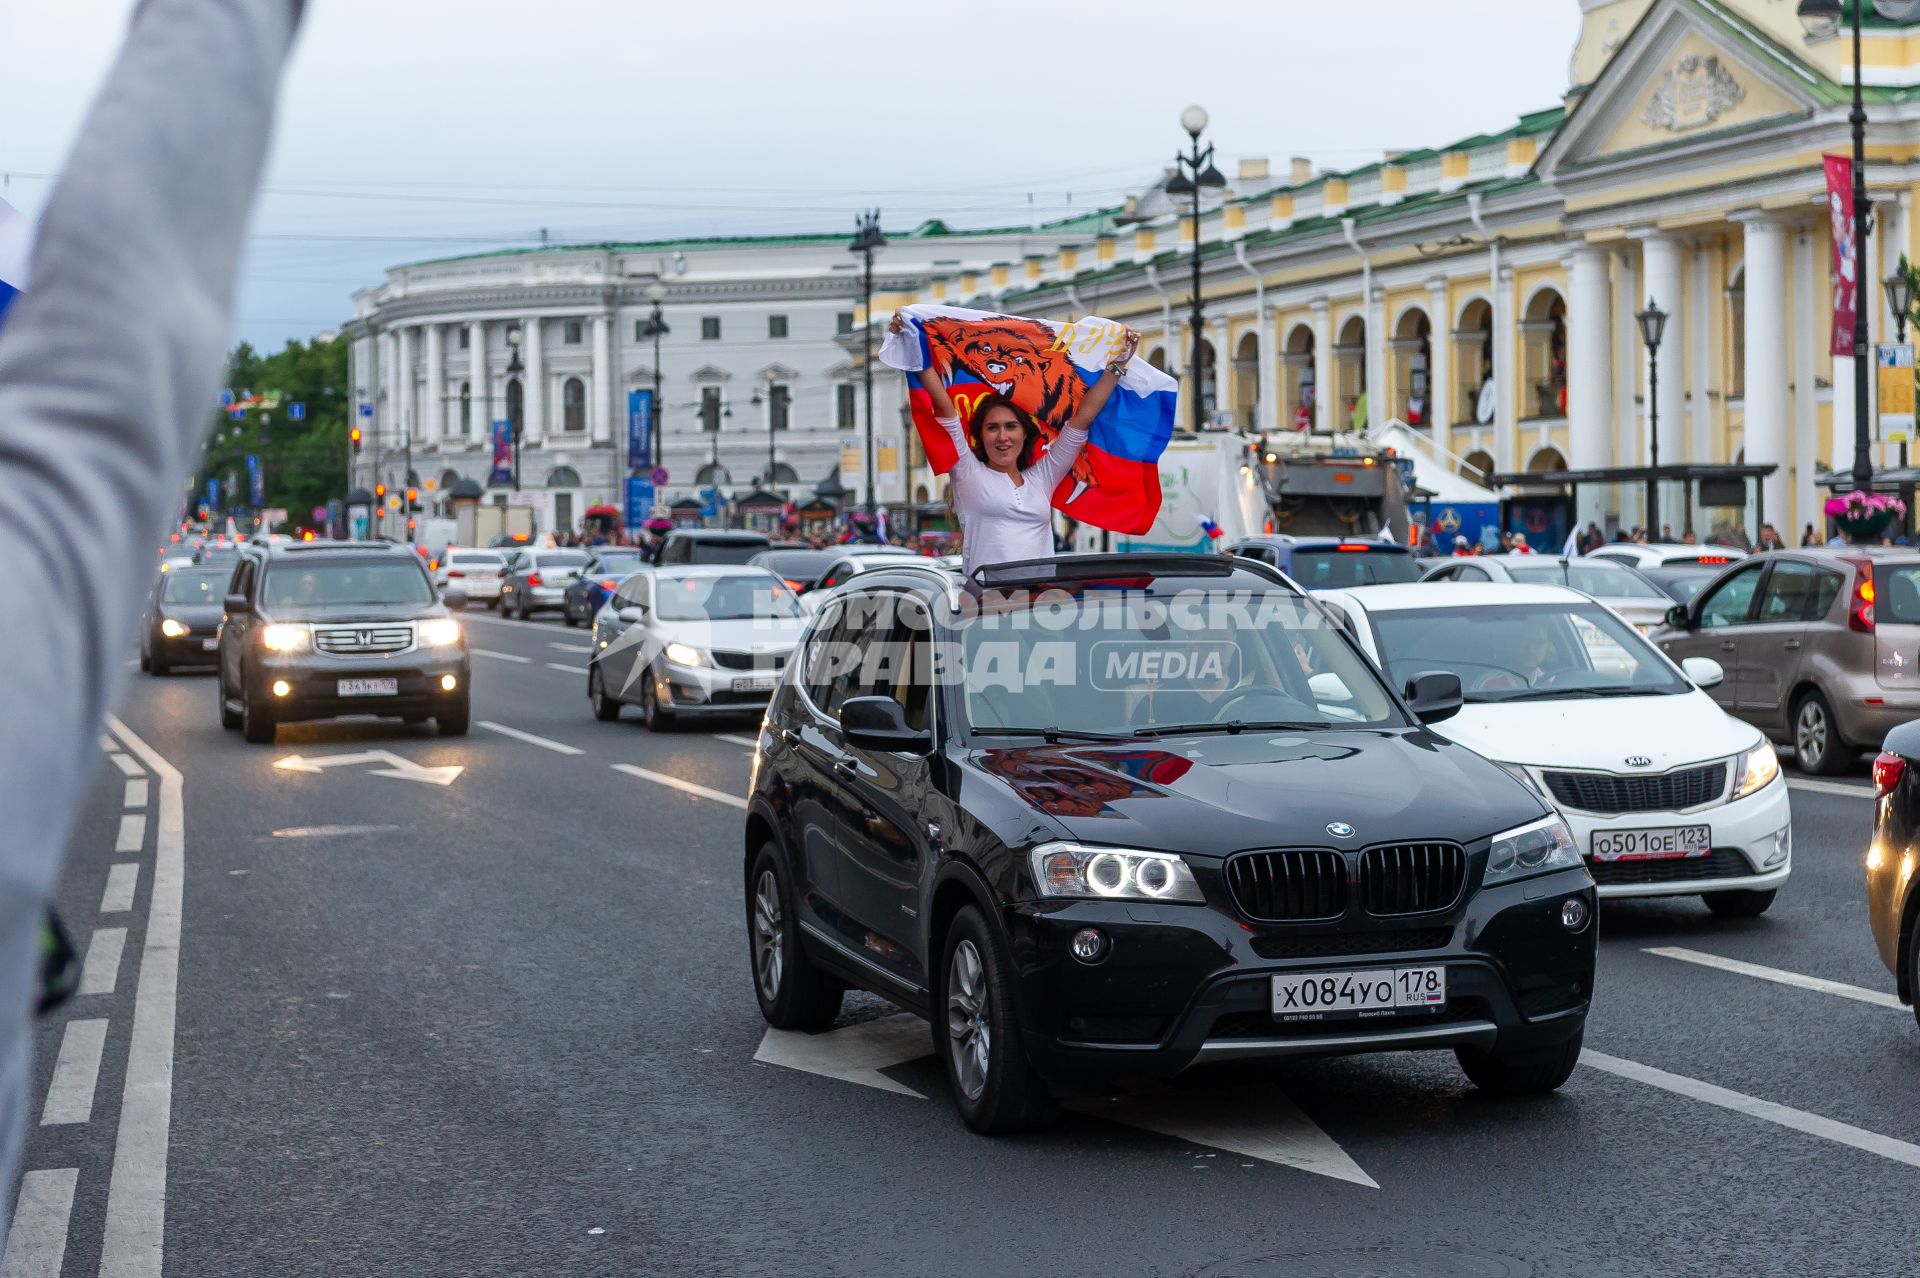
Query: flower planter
1868	529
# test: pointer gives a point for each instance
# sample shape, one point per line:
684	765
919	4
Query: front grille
750	660
1334	944
1263	1025
1289	886
1721	863
1668	792
1412	878
345	641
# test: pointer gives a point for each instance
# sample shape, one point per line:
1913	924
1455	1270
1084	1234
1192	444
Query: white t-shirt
1001	521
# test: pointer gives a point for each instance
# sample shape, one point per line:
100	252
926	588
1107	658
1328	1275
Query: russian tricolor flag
16	239
1045	368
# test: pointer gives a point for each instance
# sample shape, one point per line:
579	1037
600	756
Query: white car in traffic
471	572
1667	794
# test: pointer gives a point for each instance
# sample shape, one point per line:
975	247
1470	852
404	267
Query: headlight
286	636
1521	775
172	629
1519	853
1069	869
1756	768
439	632
681	654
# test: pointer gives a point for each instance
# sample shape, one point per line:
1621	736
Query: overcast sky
423	128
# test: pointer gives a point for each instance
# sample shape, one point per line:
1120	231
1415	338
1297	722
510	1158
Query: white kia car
1667	793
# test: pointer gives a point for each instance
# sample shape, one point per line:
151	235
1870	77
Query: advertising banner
639	429
256	481
502	454
1846	289
639	500
1895	366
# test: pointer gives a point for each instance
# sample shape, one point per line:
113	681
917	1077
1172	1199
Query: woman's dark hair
1029	446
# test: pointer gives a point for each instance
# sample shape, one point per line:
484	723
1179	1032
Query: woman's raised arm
1097	395
930	378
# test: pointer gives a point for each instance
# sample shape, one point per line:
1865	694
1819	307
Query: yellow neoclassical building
1484	291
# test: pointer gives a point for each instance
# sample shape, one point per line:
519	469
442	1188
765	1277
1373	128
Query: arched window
784	474
1544	332
466	406
448	478
1737	335
1246	382
1296	380
1478	466
1412	368
1349	371
710	474
1473	357
1158	358
573	405
1546	459
563	477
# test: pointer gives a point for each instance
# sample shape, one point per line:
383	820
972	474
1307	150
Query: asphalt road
504	1025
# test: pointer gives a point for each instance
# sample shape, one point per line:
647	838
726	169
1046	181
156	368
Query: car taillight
608	583
454	572
1352	549
1860	611
1887	771
533	579
1711	559
795	586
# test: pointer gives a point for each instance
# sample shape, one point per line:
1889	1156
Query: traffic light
413	495
380	491
355	437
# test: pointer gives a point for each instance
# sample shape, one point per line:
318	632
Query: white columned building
1767	363
1589	375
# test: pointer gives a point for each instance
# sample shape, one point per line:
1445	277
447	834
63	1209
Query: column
1324	405
403	356
1506	439
1666	279
480	418
1627	449
1440	390
599	406
389	410
436	384
1379	397
1808	331
1589	373
1269	372
534	388
1767	357
1701	365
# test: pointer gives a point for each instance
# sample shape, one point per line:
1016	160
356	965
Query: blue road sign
296	412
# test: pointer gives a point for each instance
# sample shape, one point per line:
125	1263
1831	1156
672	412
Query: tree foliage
305	461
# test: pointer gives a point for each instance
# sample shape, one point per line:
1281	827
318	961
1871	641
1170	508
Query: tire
157	665
526	613
146	662
976	1033
455	722
1520	1073
793	994
1740	903
492	605
1913	970
571	620
605	708
229	719
1817	747
656	716
256	725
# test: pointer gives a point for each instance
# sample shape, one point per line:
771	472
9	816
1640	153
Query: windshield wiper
1053	735
1233	727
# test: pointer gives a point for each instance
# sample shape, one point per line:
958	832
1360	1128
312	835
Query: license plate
369	687
209	645
1317	996
1664	843
754	683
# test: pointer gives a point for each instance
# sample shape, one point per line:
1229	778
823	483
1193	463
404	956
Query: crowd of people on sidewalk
1435	541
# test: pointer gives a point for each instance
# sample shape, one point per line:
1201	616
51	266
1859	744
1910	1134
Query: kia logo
1339	829
1639	761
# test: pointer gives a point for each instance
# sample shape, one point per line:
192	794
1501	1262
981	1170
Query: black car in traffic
182	624
1111	816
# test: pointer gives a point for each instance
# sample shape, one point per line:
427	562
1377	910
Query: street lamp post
514	369
656	328
1899	286
867	240
1194	173
1653	325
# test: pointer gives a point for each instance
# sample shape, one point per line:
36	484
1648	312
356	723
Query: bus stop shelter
1705	484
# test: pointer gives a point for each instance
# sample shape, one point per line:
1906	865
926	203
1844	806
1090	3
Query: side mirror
878	723
1704	671
632	613
1679	617
234	605
1434	695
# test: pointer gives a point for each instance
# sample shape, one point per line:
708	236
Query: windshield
1334	568
1100	660
477	558
560	559
726	599
190	588
794	563
1525	651
725	552
1607	581
340	584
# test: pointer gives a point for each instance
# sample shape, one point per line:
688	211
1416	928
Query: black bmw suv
1107	816
318	630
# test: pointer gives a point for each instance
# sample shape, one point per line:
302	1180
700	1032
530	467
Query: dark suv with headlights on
321	630
1103	816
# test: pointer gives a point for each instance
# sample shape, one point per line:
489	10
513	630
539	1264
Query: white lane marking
136	793
1859	1138
38	1243
121	880
1258	1121
101	971
750	743
501	656
133	831
853	1054
1878	998
1831	787
126	765
137	1188
399	768
75	1071
329	831
686	787
557	747
106	743
555	665
571	647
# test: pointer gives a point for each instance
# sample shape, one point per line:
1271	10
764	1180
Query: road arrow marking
853	1054
400	769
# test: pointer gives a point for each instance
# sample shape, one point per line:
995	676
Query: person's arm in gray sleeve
108	367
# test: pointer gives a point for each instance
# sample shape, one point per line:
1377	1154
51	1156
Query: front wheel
976	1031
605	708
656	716
572	620
229	717
256	724
456	721
1520	1073
1740	903
793	993
157	664
1913	970
1817	746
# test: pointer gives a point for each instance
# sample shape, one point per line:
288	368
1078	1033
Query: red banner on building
1846	288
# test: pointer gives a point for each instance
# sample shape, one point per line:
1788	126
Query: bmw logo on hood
1339	829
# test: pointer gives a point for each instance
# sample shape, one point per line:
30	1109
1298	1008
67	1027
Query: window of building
843	406
843	322
573	332
779	407
709	328
573	402
776	326
710	406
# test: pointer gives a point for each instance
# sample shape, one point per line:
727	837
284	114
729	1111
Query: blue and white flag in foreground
16	239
